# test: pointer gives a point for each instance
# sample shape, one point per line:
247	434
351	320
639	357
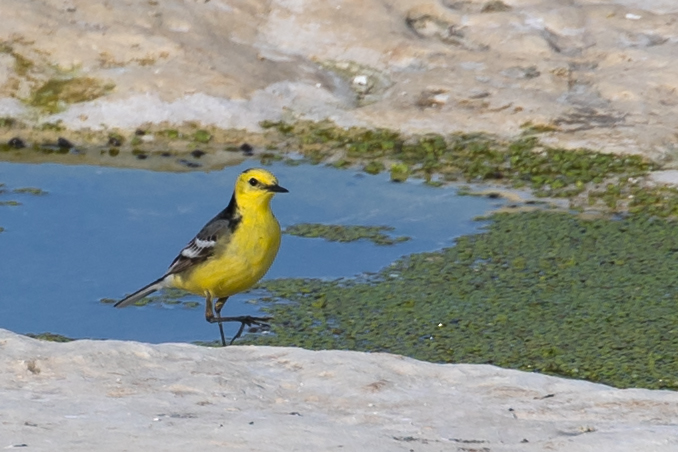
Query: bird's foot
245	320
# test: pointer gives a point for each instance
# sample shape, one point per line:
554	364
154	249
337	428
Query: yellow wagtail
230	253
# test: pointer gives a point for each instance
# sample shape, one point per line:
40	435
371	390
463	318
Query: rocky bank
597	74
117	396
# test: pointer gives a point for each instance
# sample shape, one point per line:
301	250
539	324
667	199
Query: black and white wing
203	245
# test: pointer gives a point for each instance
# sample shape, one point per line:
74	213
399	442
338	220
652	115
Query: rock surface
603	74
110	395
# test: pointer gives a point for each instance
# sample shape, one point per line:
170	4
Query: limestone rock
603	73
113	396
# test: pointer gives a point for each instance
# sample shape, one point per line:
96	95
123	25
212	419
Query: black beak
277	189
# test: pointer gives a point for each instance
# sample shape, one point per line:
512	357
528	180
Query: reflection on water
105	232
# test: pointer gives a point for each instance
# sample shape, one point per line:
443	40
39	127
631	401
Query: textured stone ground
117	396
602	73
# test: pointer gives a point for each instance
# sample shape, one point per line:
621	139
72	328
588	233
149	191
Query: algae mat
539	291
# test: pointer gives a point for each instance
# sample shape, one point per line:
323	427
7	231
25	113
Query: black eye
253	182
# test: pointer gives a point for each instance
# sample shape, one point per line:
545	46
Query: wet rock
358	63
247	149
16	143
114	141
63	143
188	163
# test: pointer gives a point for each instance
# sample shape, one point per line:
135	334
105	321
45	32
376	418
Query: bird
230	254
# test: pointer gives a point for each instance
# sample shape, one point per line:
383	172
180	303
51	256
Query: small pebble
64	143
188	163
114	141
16	143
247	149
360	80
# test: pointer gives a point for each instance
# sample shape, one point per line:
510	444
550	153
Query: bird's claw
245	320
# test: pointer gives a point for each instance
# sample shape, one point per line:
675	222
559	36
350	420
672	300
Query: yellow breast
238	263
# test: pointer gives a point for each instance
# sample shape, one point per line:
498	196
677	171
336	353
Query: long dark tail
141	293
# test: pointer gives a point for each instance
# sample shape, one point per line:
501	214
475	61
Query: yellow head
256	187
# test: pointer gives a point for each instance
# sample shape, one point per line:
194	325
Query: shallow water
104	232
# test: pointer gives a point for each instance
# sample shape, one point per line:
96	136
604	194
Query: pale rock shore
602	73
128	396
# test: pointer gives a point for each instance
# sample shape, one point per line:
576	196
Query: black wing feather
203	245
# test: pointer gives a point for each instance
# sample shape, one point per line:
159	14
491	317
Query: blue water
104	232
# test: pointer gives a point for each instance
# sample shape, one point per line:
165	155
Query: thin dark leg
237	335
217	309
244	320
209	314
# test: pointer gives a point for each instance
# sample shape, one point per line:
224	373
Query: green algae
135	141
473	157
202	136
22	65
6	121
628	195
57	93
374	167
522	162
399	172
341	233
170	134
50	337
539	291
30	190
20	191
108	300
52	126
267	158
